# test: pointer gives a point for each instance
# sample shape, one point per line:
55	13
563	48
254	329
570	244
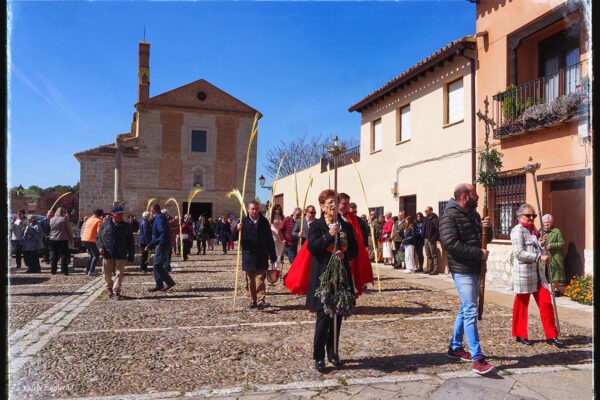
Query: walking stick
483	262
335	150
531	167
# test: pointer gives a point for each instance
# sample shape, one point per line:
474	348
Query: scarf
530	228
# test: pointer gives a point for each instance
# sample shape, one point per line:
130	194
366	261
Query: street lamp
20	190
262	181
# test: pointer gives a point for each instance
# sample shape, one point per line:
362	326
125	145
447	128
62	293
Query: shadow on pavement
26	280
391	310
38	294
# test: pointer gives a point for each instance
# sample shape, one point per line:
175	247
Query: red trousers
520	312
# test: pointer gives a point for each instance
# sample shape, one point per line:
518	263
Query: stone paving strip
259	325
265	390
31	338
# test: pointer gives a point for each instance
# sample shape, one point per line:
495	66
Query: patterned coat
527	273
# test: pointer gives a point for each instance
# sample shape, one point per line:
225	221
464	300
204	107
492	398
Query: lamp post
262	181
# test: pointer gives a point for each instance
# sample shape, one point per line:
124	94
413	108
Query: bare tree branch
302	152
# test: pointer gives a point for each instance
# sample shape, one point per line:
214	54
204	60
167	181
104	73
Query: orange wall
555	148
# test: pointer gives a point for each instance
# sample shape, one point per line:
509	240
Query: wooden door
568	211
278	199
410	206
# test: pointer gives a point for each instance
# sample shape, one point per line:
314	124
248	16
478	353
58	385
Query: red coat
285	231
297	278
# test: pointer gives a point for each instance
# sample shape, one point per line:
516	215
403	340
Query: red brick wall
226	163
170	165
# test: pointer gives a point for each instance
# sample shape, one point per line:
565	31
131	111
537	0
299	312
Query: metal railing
345	158
505	199
509	107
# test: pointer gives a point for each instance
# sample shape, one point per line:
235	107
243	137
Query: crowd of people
308	243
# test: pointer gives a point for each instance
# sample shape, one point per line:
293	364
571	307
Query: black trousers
59	248
324	335
32	261
144	258
17	250
187	248
46	250
201	242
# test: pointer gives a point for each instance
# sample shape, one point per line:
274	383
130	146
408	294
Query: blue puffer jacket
145	235
161	233
116	240
33	238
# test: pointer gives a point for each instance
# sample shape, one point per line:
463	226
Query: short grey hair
145	214
548	217
164	211
524	207
296	210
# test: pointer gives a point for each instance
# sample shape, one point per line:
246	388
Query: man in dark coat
46	229
321	238
115	243
460	234
161	240
145	237
257	248
431	235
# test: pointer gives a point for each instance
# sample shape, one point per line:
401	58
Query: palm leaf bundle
334	290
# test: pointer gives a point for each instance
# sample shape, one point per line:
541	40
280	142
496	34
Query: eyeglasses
311	212
530	215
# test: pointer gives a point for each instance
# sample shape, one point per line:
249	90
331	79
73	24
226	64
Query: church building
194	136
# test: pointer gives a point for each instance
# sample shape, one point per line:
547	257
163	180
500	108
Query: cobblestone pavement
68	339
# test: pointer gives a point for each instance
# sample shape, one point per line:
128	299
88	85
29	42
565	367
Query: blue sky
73	66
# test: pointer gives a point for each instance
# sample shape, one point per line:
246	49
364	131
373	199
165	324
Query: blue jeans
291	252
160	273
467	286
168	260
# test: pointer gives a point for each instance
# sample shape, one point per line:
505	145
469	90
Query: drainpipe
473	125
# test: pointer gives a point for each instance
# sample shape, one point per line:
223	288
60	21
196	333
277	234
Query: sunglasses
311	212
530	215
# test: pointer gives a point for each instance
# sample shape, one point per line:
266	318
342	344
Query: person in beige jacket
61	235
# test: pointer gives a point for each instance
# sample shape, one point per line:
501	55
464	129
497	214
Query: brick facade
160	163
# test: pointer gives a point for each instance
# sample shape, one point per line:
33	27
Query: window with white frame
456	102
376	138
405	133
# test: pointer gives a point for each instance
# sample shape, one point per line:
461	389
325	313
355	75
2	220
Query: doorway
409	205
568	211
196	209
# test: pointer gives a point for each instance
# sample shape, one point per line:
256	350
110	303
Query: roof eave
384	90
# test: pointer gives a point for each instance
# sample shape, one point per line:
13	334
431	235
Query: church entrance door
198	208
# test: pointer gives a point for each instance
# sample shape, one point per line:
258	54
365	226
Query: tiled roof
127	139
421	66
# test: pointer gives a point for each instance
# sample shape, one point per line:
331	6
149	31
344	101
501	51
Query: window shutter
456	101
377	135
405	118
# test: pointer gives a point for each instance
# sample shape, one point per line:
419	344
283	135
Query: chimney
144	72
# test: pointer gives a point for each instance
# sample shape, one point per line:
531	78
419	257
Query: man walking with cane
460	235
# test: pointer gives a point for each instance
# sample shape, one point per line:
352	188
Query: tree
69	202
301	153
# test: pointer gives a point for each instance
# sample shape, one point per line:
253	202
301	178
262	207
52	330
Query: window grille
441	207
505	199
199	141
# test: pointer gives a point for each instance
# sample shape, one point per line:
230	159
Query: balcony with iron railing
544	102
345	158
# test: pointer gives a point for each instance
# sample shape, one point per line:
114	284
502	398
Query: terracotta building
534	63
194	136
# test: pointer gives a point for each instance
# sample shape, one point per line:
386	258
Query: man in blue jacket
145	237
161	240
115	243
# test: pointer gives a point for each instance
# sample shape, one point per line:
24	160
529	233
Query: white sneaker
409	271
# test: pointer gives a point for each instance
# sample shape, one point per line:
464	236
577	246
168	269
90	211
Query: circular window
201	96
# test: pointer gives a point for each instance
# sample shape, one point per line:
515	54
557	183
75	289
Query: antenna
144	33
